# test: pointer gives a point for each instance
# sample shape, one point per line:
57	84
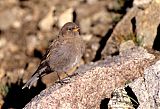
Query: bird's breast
67	54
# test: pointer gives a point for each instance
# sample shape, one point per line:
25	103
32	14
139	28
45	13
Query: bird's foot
70	76
62	82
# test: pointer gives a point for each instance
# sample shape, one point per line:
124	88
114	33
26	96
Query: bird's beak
76	29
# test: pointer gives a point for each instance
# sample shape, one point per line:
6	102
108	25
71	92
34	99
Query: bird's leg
68	74
60	81
58	76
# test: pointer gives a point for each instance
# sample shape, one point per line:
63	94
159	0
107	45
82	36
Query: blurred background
27	27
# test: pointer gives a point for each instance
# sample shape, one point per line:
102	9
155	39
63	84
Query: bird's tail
42	70
30	82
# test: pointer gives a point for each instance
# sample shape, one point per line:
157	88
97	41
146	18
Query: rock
97	23
99	29
120	99
91	1
85	25
147	22
17	24
95	46
48	21
83	12
87	37
10	2
9	17
92	85
148	91
100	22
12	47
3	42
7	47
157	1
12	76
91	49
66	16
135	26
121	32
102	16
141	2
31	43
2	73
126	45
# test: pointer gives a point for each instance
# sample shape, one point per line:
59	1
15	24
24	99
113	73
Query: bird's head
70	29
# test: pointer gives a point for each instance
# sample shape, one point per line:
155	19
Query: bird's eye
69	29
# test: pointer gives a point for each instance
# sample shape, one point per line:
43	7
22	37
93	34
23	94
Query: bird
64	53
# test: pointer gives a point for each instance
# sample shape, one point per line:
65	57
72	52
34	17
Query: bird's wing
60	54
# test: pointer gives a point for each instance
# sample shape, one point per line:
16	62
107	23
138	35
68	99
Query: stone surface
141	2
47	22
147	88
147	22
85	25
87	37
120	100
127	45
31	43
139	24
94	82
10	18
66	16
100	21
122	32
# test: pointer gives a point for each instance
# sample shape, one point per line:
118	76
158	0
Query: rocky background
28	26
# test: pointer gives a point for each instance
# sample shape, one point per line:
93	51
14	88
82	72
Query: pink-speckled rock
94	82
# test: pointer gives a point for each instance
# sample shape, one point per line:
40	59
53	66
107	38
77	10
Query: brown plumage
64	53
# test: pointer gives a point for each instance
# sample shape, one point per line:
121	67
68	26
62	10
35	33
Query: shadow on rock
156	44
104	103
17	97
